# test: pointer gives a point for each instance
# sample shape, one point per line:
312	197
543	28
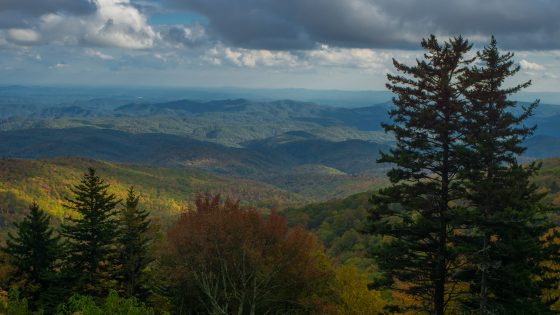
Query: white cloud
212	56
119	24
348	57
324	56
24	36
94	53
530	66
233	56
249	58
114	23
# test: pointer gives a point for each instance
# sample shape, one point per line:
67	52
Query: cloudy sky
325	44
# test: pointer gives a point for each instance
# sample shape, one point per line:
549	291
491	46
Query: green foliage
133	240
91	236
113	304
17	305
34	252
465	225
339	225
416	211
504	214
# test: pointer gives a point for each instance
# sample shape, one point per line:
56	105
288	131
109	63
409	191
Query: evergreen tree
505	216
34	251
91	236
416	211
134	240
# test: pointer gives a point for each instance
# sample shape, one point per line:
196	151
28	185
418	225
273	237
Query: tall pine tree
34	252
505	215
416	211
91	236
134	239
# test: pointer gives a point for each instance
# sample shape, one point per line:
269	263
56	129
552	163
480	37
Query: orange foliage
245	263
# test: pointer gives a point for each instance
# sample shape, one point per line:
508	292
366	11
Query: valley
282	153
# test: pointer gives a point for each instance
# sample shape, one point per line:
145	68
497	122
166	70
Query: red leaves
241	258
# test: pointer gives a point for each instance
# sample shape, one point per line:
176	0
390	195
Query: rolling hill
164	191
259	160
311	151
227	122
339	222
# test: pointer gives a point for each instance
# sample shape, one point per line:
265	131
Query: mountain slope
338	222
164	191
257	160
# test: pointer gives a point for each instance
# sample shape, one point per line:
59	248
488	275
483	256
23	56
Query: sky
315	44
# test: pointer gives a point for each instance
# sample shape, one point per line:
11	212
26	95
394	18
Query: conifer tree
416	211
34	251
134	240
91	236
505	215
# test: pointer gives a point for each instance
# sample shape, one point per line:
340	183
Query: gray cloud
518	24
187	36
297	24
283	24
301	24
24	13
40	7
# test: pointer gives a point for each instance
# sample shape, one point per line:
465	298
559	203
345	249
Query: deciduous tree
228	259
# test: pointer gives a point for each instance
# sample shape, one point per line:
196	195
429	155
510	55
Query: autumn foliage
227	259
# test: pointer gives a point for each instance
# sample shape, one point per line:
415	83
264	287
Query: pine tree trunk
484	278
486	264
439	298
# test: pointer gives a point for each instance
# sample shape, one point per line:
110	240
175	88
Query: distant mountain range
259	159
234	122
114	95
305	148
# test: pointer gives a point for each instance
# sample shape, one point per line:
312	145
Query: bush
113	304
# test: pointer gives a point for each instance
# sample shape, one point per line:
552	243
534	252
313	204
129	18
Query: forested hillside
166	192
339	223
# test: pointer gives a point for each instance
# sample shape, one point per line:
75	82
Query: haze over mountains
290	145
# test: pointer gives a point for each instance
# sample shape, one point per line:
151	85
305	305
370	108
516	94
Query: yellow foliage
553	236
404	300
355	298
414	304
3	301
